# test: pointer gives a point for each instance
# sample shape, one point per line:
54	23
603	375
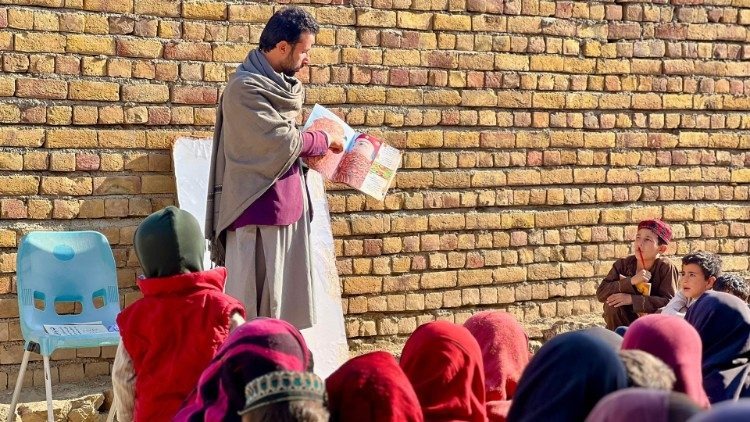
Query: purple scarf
256	348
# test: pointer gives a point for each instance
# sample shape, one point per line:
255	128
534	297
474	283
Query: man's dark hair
733	284
288	24
646	370
289	411
710	263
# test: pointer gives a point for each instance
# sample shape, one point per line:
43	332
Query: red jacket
171	334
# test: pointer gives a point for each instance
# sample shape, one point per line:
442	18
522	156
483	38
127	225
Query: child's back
170	335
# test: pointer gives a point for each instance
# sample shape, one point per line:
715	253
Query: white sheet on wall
192	162
327	338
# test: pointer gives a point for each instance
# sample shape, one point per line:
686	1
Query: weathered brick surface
535	135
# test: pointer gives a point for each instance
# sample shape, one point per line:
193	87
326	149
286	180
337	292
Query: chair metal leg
48	390
19	385
112	410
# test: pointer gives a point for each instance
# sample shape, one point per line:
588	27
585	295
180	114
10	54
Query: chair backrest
66	267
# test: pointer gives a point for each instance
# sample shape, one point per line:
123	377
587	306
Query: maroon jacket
171	334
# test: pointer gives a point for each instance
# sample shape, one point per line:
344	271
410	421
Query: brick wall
536	133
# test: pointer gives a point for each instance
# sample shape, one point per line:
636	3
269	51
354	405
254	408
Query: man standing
257	215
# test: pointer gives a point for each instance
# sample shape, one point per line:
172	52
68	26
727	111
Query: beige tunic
269	269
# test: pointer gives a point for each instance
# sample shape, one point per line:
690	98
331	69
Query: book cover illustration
366	163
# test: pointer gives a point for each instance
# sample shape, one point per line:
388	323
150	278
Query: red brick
13	209
438	59
194	95
625	30
47	89
671	31
188	51
159	115
87	162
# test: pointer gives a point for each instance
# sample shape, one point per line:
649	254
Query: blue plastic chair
64	267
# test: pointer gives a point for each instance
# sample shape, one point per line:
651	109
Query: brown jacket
664	276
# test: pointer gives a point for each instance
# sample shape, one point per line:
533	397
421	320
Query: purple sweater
281	204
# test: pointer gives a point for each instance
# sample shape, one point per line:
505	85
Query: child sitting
640	283
170	335
699	272
732	284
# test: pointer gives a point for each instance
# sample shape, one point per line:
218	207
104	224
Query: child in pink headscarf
505	353
677	344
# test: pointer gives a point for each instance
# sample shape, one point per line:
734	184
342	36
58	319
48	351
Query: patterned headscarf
256	348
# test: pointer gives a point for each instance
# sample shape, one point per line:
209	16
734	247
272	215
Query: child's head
652	239
169	242
732	284
646	370
699	272
285	396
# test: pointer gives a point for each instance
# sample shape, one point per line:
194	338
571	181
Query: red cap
659	227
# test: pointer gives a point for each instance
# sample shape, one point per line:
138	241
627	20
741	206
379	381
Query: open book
366	163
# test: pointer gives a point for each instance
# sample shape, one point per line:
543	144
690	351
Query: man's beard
288	67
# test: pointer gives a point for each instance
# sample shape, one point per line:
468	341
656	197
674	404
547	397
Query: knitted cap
659	228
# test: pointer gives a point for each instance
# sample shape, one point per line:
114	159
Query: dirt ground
85	401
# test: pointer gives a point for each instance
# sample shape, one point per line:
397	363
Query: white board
192	162
327	338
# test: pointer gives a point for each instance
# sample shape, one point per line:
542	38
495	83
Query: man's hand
619	299
334	144
641	276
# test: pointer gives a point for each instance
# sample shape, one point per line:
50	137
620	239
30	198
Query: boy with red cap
640	283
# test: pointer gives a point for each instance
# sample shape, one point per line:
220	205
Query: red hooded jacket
171	334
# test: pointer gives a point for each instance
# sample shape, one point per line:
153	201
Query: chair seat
48	343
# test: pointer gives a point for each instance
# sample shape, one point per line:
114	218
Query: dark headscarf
643	405
444	364
723	322
566	379
677	344
169	242
738	411
372	388
505	353
259	346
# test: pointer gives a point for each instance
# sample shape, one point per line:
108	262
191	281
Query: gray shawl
256	141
